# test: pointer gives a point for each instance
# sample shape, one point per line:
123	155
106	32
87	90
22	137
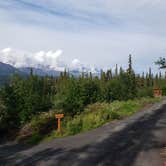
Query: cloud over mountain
101	33
19	58
42	59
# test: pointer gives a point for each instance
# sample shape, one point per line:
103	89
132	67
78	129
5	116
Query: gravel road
135	141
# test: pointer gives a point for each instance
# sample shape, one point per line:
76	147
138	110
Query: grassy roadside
42	127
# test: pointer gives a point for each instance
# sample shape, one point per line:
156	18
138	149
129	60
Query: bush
34	139
114	115
97	114
164	90
114	91
25	98
40	125
145	92
69	98
93	116
76	95
74	126
3	116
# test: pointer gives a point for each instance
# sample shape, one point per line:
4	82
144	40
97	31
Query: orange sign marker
157	92
59	116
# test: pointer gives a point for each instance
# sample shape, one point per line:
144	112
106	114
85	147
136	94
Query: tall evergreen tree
130	69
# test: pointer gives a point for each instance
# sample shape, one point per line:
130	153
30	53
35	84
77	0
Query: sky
72	33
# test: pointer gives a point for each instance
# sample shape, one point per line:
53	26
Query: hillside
6	71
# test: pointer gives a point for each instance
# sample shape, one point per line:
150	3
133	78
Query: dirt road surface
135	141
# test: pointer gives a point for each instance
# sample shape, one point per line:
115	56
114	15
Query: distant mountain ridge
40	71
6	70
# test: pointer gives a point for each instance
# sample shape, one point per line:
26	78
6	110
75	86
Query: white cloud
42	59
49	58
76	63
100	33
24	59
6	50
13	57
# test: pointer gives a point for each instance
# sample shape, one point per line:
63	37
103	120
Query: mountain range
7	70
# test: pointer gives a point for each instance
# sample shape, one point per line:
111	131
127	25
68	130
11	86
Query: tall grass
97	114
93	116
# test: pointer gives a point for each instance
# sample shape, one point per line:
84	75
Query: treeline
23	98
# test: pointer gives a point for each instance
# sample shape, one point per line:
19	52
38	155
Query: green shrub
3	116
69	98
74	126
40	125
92	117
145	92
164	90
34	139
25	98
91	121
96	107
114	115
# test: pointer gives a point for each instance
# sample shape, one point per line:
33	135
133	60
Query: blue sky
97	32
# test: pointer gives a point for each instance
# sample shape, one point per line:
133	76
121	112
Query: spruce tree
131	79
130	69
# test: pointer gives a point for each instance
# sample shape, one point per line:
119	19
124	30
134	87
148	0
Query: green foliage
34	139
98	114
42	123
114	91
69	98
161	62
76	94
43	126
3	115
39	126
145	92
164	90
25	98
74	126
90	91
114	115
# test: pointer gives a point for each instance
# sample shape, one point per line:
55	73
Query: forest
24	98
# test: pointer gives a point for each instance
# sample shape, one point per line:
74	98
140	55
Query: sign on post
59	116
157	92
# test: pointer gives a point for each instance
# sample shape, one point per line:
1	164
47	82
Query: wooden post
157	92
59	124
59	116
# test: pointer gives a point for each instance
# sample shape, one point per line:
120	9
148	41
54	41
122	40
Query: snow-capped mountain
7	70
43	63
40	71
